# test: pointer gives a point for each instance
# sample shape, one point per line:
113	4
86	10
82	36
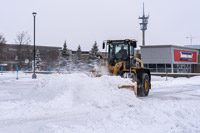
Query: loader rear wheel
145	86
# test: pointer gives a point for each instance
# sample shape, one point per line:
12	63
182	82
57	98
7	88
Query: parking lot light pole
34	75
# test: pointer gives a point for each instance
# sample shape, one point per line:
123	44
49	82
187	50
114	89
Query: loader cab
120	50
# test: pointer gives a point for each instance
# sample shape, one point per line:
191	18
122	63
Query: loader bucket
134	87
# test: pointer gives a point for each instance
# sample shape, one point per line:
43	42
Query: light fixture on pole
34	75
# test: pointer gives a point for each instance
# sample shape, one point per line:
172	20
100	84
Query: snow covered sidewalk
79	103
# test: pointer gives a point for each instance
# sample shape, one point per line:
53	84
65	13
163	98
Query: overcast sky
84	21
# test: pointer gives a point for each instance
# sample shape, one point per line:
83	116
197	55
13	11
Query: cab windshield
118	50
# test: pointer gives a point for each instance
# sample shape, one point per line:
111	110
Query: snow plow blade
134	87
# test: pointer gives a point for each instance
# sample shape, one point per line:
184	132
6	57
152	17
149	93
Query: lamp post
34	75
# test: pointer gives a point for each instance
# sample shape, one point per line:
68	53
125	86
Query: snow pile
65	92
80	89
81	103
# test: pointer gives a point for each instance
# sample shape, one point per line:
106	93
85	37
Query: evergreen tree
65	52
93	56
78	59
94	52
65	58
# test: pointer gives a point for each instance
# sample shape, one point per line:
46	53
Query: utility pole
143	25
191	38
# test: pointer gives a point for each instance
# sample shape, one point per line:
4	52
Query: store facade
170	58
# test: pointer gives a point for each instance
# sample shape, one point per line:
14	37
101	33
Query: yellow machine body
139	75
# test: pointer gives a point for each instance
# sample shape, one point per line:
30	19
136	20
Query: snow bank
81	103
65	92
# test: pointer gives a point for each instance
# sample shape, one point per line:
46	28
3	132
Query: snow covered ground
64	103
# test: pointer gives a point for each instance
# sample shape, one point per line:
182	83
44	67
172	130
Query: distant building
171	58
11	56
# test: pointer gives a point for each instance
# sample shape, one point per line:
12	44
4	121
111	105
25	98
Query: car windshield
118	50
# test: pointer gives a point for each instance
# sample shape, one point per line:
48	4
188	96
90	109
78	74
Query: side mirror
134	44
103	45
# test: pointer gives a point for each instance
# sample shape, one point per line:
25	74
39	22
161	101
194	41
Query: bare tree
2	39
22	38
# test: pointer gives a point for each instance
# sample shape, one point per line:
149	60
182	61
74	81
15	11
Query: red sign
185	56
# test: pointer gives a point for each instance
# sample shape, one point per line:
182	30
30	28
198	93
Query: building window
168	68
182	68
152	67
11	58
160	67
12	49
175	68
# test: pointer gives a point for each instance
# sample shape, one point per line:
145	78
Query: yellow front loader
122	61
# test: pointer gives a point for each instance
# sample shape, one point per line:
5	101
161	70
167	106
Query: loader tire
145	86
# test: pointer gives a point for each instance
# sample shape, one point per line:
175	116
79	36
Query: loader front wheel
145	86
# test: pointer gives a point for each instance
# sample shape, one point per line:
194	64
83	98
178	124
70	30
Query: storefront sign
185	56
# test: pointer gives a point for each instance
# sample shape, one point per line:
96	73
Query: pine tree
78	59
65	52
93	56
65	58
94	51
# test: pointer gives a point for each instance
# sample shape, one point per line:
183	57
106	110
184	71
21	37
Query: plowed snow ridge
80	103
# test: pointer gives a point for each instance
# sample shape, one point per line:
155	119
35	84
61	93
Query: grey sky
84	21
